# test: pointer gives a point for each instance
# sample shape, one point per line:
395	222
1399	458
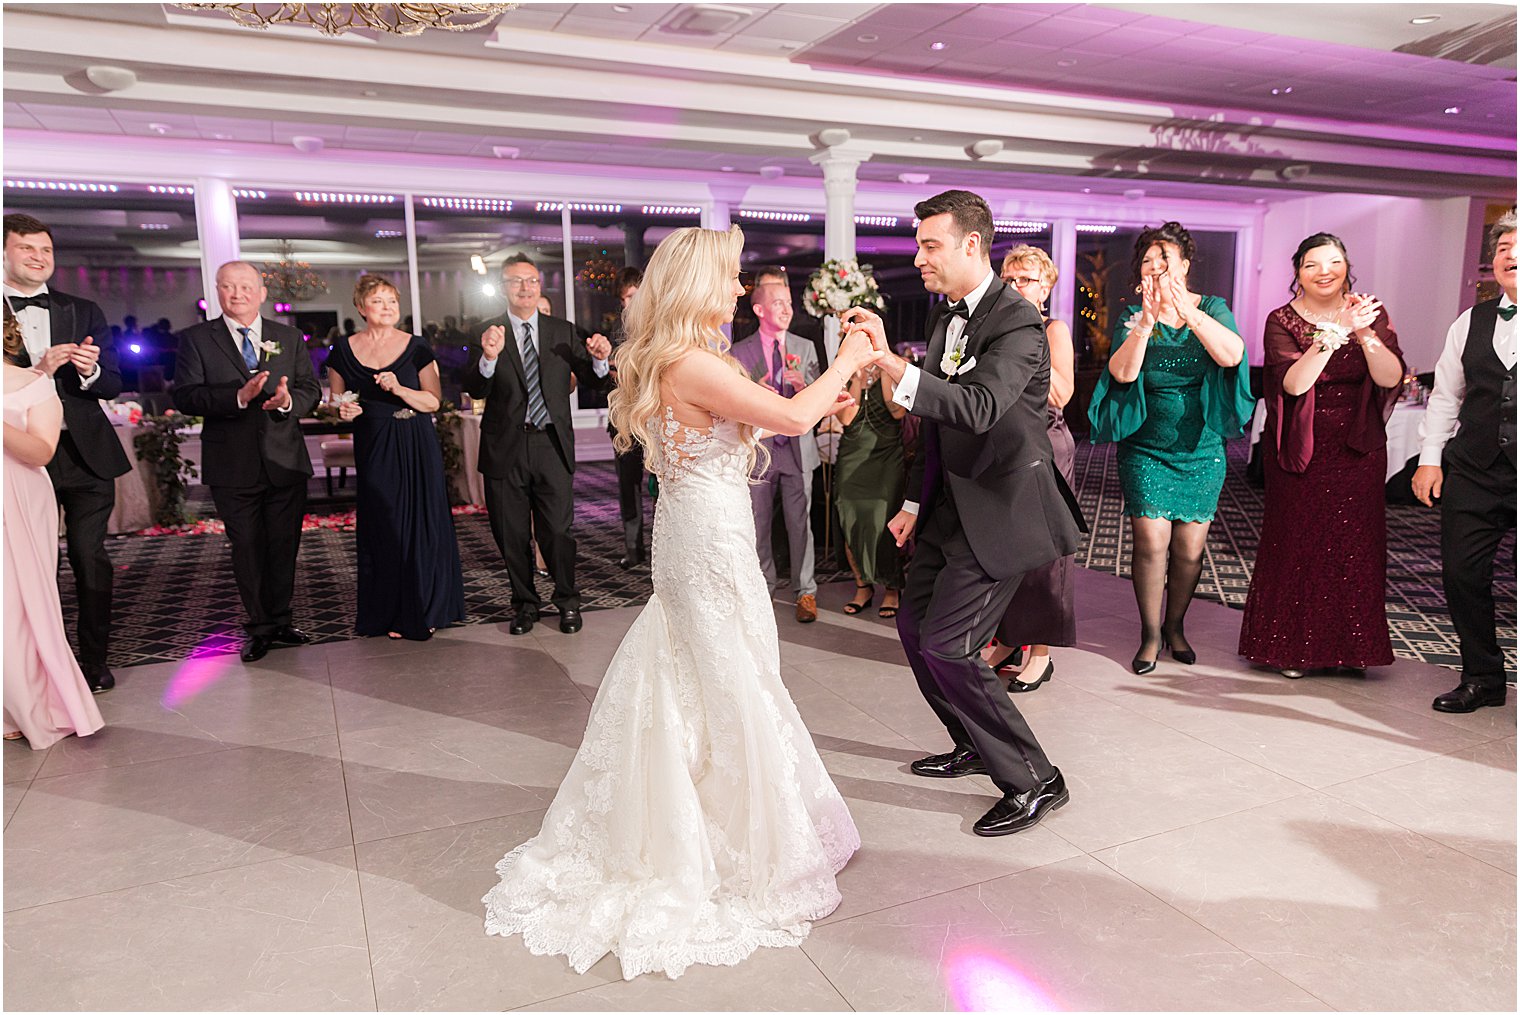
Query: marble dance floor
315	832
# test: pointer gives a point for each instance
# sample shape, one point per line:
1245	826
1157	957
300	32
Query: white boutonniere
344	398
954	360
268	348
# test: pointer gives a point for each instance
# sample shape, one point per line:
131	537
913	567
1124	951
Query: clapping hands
1363	309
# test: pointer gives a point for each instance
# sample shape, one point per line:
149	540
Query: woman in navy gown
410	582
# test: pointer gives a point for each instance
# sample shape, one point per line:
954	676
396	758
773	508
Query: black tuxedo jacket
240	446
561	353
71	320
985	438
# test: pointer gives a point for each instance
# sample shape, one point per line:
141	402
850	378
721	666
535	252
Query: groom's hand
859	319
902	526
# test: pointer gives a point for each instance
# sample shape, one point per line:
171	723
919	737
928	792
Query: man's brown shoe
807	609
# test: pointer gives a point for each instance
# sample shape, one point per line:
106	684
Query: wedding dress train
696	822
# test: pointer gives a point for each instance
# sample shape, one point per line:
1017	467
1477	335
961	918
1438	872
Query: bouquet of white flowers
840	285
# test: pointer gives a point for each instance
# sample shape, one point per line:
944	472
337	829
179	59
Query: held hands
865	342
493	342
598	346
902	525
1427	484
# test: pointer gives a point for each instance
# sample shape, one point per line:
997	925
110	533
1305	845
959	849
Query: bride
697	822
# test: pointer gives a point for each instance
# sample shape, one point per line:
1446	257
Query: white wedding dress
697	822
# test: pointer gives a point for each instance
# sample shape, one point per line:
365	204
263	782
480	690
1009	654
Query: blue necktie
250	354
538	412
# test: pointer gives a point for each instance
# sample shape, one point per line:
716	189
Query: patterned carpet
175	594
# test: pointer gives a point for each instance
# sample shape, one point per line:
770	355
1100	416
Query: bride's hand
841	403
856	350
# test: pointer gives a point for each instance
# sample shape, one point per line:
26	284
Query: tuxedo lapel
936	350
983	311
221	336
61	321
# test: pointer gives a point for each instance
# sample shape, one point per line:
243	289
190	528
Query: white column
569	255
1063	251
719	213
411	264
216	225
839	166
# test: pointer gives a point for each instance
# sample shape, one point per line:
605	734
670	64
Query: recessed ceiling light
1287	90
159	128
222	137
621	9
868	37
1453	110
369	93
791	45
1425	19
936	45
1066	63
726	169
916	137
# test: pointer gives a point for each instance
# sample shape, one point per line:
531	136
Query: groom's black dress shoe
569	621
99	677
1018	811
256	648
1469	697
523	622
291	635
957	763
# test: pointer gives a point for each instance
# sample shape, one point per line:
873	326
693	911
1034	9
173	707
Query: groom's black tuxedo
991	507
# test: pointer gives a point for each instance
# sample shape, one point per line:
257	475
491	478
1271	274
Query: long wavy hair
685	297
15	342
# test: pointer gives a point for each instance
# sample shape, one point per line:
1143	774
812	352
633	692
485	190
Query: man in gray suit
786	364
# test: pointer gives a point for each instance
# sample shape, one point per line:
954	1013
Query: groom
990	504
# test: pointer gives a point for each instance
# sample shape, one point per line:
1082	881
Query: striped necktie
538	411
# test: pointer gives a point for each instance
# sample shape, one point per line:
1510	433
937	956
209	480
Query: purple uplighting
209	662
135	347
980	981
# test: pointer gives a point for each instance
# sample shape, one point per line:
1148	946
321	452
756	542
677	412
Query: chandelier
335	19
291	280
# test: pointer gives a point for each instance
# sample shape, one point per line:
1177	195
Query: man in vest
1469	432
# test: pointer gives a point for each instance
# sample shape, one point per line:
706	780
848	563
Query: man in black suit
527	443
253	455
989	504
68	339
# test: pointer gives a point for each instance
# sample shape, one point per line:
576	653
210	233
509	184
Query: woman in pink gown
46	697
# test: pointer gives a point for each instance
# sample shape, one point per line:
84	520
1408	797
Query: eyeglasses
1020	281
521	283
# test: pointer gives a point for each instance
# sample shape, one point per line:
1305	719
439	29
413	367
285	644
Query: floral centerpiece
124	413
840	285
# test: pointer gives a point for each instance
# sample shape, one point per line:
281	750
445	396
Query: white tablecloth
1403	433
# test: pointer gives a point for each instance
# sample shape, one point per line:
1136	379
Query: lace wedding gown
697	822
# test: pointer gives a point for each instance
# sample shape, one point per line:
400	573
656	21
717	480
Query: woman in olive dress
1176	387
871	476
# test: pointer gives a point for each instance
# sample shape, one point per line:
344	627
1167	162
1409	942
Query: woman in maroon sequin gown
1317	595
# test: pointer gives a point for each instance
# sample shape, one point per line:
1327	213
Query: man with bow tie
985	499
68	339
251	379
786	364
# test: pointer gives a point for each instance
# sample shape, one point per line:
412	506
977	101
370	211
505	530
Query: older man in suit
786	364
68	339
527	441
985	499
254	456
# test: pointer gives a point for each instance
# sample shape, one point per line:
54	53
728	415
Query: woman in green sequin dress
1176	387
871	476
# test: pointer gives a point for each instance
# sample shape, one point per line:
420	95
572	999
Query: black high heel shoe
1142	666
1017	686
1186	656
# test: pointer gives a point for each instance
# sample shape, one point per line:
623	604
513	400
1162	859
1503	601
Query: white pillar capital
725	198
839	165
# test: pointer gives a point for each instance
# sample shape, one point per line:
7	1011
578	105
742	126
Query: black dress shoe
99	677
1017	686
291	635
256	647
569	621
631	561
522	623
1018	811
1469	697
1142	666
957	763
1184	655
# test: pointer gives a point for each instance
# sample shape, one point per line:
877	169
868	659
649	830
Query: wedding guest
1331	376
527	445
630	464
1469	429
46	696
786	364
250	378
410	580
1176	386
1042	612
68	339
871	478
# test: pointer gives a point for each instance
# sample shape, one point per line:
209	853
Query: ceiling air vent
706	19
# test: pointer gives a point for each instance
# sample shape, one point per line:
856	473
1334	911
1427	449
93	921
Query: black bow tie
959	309
1508	313
20	303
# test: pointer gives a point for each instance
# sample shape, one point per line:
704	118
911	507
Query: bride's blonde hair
686	293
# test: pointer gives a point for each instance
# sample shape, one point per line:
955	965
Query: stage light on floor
980	981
